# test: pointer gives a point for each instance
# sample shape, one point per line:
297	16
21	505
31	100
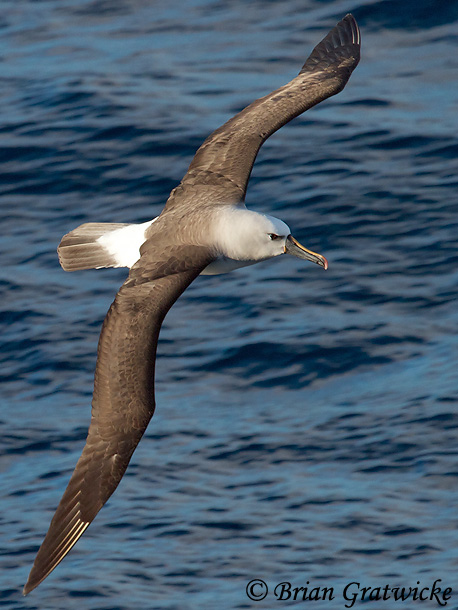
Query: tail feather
80	248
95	245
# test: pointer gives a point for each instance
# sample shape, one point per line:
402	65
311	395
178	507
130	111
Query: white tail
95	245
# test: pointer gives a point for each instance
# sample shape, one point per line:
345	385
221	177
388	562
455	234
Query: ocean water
306	425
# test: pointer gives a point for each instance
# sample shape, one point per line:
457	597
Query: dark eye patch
273	236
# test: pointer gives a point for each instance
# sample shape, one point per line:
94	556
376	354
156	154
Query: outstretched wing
227	155
123	401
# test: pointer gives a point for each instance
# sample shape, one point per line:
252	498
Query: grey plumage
227	155
122	405
176	251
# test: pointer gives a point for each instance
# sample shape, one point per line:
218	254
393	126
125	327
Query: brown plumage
177	249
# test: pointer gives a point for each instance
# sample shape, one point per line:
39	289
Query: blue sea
306	429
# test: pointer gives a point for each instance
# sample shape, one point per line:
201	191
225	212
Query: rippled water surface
306	427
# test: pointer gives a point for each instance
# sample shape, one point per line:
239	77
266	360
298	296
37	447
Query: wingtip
54	548
349	20
32	581
345	32
341	46
28	587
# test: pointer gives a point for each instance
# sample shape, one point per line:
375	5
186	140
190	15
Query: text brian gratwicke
258	590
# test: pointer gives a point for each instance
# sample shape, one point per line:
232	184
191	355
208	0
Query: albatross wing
123	401
227	155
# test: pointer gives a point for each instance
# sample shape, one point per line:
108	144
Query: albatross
204	228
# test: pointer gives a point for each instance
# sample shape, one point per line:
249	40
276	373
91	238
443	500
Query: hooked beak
296	249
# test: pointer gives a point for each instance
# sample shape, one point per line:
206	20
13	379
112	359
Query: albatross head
251	237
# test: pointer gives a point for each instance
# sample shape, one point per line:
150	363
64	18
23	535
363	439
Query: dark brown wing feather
227	155
123	401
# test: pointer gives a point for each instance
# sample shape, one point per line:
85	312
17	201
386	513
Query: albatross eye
273	236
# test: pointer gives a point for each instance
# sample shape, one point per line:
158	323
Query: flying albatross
204	228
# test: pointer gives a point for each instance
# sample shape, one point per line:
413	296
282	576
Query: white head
243	235
249	236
